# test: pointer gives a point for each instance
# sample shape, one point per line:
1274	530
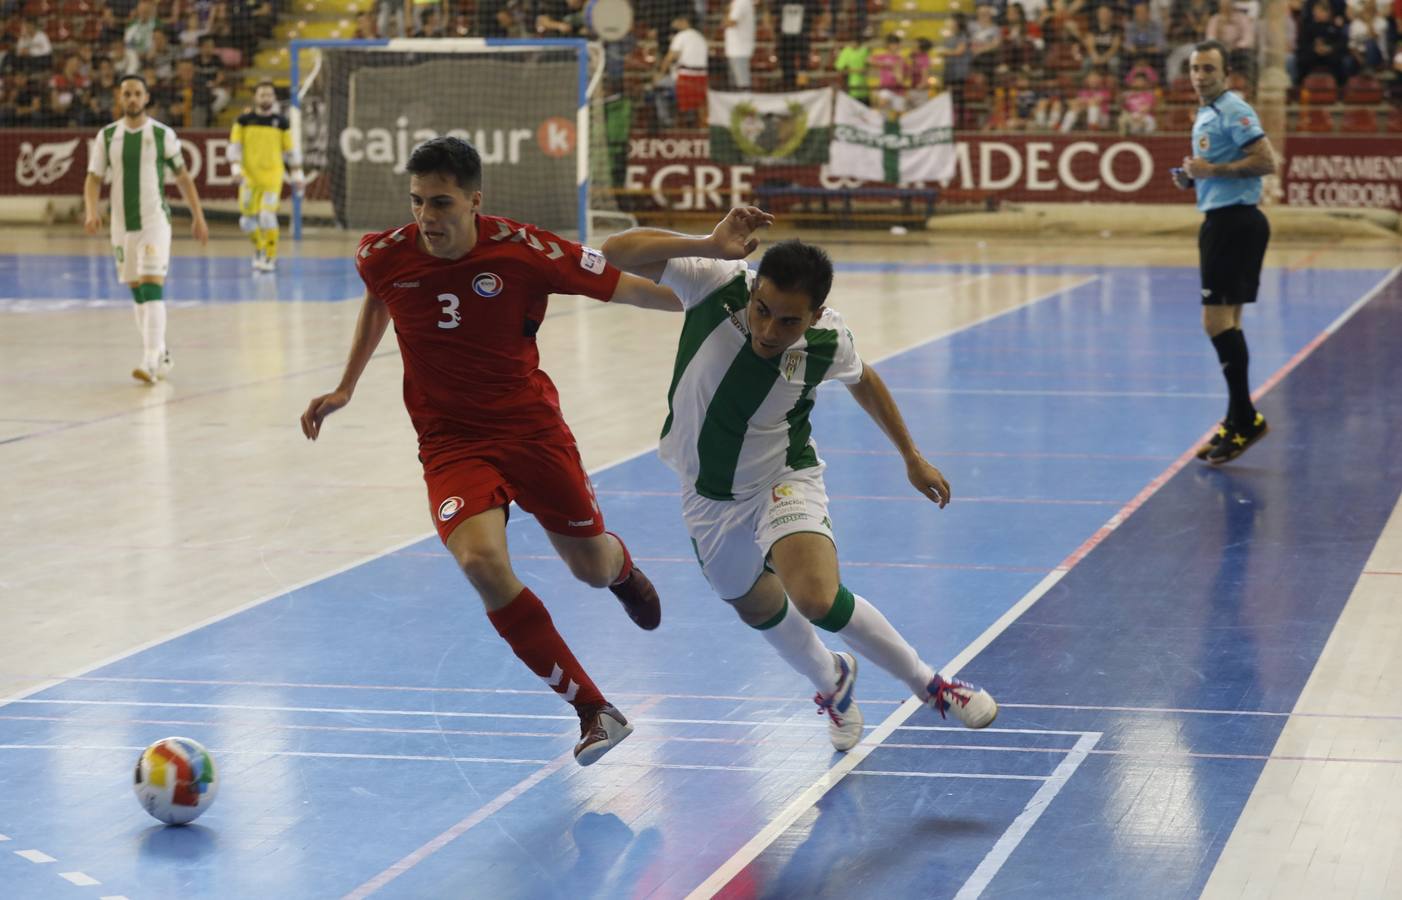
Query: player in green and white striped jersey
136	151
754	347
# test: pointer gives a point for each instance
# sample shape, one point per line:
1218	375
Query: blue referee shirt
1221	133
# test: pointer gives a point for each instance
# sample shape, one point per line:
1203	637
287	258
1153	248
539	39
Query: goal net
532	109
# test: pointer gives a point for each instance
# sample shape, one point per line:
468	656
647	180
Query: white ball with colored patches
175	780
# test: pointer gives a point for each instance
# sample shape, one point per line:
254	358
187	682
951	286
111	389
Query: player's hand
299	183
733	237
319	409
928	480
1196	167
1180	179
92	223
200	230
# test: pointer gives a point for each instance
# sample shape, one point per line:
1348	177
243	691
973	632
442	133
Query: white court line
988	868
79	878
35	856
790	814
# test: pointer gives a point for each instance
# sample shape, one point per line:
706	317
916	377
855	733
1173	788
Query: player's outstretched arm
635	291
645	251
369	329
872	395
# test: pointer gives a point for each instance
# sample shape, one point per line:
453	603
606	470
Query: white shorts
732	538
142	254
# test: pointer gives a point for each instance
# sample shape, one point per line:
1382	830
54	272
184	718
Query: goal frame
458	45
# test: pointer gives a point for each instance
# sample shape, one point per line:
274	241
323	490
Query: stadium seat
1363	89
1319	89
1394	120
1359	121
1315	121
976	88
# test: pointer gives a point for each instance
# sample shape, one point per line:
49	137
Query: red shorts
691	91
546	479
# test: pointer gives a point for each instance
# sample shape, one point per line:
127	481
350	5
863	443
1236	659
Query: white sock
872	636
154	332
797	642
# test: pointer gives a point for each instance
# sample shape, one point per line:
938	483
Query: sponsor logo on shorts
784	520
582	524
449	508
592	260
1206	292
488	284
406	284
780	492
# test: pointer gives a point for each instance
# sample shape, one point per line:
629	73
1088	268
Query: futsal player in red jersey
467	293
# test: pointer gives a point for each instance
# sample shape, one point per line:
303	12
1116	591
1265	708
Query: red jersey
467	327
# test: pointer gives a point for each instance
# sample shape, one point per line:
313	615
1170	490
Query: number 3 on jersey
450	319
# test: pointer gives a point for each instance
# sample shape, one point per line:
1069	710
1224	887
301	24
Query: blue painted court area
376	736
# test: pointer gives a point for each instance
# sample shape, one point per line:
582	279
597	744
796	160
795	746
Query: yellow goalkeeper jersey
262	140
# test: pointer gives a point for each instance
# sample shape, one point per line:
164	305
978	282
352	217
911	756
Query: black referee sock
1231	351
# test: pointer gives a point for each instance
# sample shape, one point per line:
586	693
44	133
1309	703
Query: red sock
627	561
525	624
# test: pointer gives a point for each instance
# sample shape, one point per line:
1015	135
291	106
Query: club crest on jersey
449	508
791	360
487	284
592	260
1203	142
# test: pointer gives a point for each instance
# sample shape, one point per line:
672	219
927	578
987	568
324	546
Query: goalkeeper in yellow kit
257	146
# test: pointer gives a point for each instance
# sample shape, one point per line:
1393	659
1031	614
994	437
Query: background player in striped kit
754	347
260	140
137	150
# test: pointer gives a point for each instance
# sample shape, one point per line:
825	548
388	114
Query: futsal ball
175	780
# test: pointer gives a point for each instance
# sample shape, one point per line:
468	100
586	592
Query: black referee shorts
1231	245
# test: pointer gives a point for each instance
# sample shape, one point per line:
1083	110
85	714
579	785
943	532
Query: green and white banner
919	146
771	129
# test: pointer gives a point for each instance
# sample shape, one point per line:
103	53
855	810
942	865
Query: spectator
1144	36
918	72
985	40
125	60
1367	36
420	10
1091	105
100	103
496	18
1144	67
212	93
889	67
852	63
560	18
142	25
32	104
958	60
796	19
388	16
1188	21
33	53
740	42
1237	32
1020	49
190	36
162	56
1137	113
430	24
69	88
1103	42
680	88
243	26
1025	102
1322	43
366	28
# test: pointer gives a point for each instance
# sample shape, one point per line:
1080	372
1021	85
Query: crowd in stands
1009	64
60	60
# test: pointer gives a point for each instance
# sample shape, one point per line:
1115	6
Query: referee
1230	155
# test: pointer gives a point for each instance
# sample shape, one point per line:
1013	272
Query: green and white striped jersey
737	422
138	161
